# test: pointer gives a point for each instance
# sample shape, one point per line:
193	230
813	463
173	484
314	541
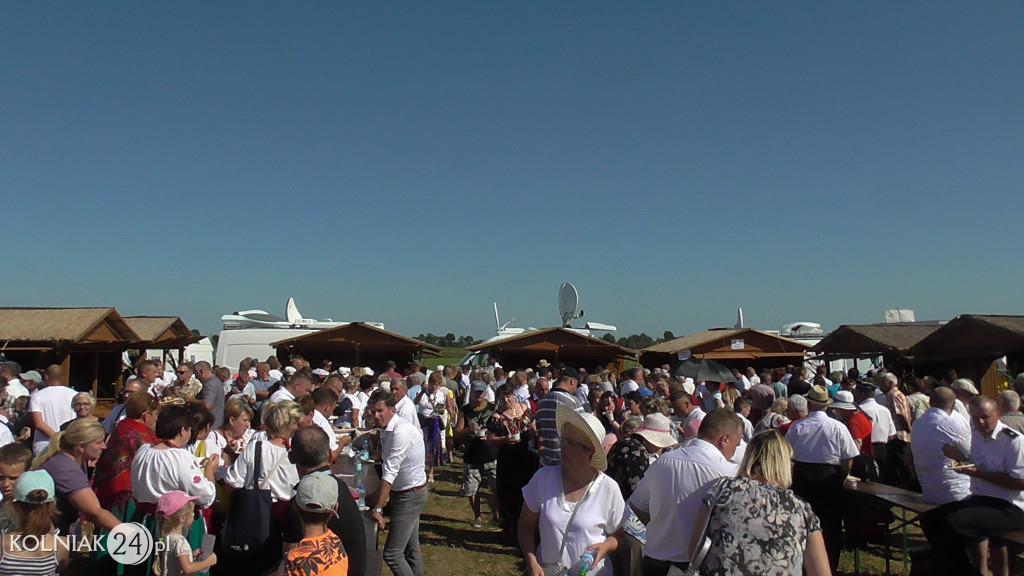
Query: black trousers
821	485
654	567
950	526
881	450
899	474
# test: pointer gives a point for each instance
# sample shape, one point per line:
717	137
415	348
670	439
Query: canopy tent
354	344
94	338
554	345
970	344
736	348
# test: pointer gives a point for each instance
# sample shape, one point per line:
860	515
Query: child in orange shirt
320	552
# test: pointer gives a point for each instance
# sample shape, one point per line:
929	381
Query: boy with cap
14	461
320	551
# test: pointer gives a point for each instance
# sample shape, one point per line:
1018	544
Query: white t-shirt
54	403
325	425
15	389
281	394
602	513
279	481
5	435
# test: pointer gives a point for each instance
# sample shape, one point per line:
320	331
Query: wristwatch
378	511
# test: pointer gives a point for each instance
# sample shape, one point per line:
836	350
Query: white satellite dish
568	299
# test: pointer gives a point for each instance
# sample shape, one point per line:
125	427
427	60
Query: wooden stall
735	348
554	345
168	334
891	342
354	344
87	342
970	344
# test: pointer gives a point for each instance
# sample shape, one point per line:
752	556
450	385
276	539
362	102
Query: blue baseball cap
30	482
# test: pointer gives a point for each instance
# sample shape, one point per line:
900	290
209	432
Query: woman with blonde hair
775	417
756	524
277	474
65	461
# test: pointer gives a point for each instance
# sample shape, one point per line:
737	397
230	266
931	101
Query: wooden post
95	374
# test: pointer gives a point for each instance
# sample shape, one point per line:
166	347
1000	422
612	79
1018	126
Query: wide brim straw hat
590	426
819	395
657	429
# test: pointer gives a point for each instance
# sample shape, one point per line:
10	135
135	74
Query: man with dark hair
996	503
403	480
324	401
669	495
310	453
563	393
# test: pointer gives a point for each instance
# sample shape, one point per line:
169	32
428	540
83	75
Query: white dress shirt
325	425
671	492
403	454
930	432
818	439
278	474
407	410
15	389
1002	451
882	426
281	394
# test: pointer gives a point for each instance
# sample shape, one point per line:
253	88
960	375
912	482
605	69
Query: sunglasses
183	371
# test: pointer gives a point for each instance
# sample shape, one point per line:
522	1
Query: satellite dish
568	299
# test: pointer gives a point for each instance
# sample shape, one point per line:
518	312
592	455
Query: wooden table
910	504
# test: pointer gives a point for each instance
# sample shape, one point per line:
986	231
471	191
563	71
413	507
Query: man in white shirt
149	374
404	406
50	408
686	415
297	387
823	451
996	503
324	401
403	480
669	495
10	372
940	426
883	428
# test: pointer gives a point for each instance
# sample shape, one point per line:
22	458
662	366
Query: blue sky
412	163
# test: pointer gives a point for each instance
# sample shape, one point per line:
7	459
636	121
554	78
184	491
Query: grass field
453	547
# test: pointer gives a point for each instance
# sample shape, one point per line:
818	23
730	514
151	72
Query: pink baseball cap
173	501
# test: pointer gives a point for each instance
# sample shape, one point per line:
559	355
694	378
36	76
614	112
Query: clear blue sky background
412	162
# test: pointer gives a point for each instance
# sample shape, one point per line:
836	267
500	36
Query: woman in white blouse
166	466
279	475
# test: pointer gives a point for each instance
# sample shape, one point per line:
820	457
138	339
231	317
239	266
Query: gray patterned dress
757	530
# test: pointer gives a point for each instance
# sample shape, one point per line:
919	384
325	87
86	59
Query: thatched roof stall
164	333
355	344
736	348
87	342
970	344
890	341
554	345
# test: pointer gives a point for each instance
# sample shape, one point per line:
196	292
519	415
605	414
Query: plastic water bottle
362	496
586	562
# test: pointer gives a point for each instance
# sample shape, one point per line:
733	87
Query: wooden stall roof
555	339
47	328
973	335
166	332
863	340
356	334
718	343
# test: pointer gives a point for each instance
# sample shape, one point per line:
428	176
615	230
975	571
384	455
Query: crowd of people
632	473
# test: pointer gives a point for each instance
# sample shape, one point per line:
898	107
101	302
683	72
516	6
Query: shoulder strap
701	552
257	464
263	485
579	503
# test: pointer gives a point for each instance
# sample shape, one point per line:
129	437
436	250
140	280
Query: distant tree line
638	341
449	340
633	341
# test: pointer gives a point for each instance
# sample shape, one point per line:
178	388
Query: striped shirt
547	429
16	565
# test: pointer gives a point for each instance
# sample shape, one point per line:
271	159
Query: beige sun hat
590	426
657	429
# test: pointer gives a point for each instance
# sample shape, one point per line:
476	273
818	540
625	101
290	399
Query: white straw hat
657	429
590	426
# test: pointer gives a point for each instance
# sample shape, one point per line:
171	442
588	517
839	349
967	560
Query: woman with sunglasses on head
574	507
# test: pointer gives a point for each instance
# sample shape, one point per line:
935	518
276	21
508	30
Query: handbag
697	561
247	527
559	569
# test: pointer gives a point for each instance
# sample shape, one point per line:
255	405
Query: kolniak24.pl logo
127	543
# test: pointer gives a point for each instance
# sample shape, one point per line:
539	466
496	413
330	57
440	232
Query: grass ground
453	547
